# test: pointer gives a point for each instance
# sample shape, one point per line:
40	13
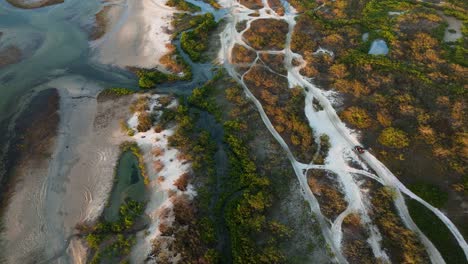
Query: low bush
144	122
394	138
195	41
183	5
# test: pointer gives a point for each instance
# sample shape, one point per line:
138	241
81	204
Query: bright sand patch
164	166
137	33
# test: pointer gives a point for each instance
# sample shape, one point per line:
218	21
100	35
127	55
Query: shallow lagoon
128	184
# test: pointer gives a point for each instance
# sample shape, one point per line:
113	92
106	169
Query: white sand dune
161	180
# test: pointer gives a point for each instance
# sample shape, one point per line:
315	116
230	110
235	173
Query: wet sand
31	4
28	159
136	33
101	24
10	55
74	184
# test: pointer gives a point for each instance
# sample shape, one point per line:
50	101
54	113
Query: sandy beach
74	184
137	33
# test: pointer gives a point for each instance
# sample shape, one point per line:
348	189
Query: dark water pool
128	184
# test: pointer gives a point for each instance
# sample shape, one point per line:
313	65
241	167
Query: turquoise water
128	184
57	44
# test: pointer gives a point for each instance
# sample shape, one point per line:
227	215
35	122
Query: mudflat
31	4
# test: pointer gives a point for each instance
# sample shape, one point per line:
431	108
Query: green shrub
149	78
144	122
183	5
394	138
430	193
195	42
357	116
94	240
117	91
201	98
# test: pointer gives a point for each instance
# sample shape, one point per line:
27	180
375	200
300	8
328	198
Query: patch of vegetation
410	101
243	202
285	108
213	3
192	233
174	62
393	138
433	228
148	79
276	6
252	189
183	5
145	122
252	4
202	98
303	5
245	215
430	193
274	62
195	41
167	116
114	240
242	55
357	117
126	129
332	201
403	244
115	92
267	34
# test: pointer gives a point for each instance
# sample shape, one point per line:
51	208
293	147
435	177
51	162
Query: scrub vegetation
148	79
112	241
230	220
267	34
183	5
327	191
192	233
194	31
426	220
257	189
403	245
195	41
410	103
286	111
113	93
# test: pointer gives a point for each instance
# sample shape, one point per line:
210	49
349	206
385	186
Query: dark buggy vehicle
359	149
